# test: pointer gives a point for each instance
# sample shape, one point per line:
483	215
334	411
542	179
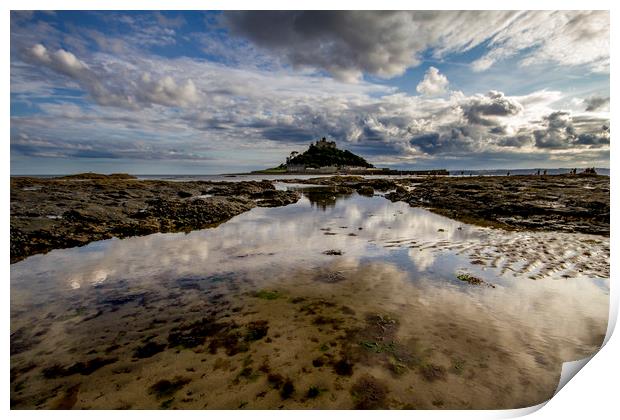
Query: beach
335	292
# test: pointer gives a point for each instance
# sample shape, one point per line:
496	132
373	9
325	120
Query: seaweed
257	330
195	334
343	367
320	361
369	394
232	341
150	349
432	372
275	380
166	404
68	400
288	389
458	365
379	347
473	280
248	374
267	294
167	388
313	392
83	368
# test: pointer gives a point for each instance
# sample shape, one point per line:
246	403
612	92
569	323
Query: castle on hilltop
323	157
325	144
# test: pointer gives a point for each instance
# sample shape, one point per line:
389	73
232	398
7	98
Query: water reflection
324	198
269	267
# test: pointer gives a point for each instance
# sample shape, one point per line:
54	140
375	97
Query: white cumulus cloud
433	84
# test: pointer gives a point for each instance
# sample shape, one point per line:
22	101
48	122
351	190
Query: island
324	157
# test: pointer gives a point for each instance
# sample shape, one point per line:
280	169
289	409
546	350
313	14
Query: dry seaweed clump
473	280
369	394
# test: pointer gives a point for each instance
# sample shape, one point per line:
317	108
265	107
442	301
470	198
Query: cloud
560	132
172	22
494	104
138	104
246	110
391	128
596	103
61	61
433	84
52	146
166	91
118	86
348	44
568	38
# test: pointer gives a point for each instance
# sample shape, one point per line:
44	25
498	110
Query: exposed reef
72	211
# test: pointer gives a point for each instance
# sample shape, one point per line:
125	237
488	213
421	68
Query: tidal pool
338	301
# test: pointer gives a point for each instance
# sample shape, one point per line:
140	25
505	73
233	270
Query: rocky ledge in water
568	203
72	211
364	186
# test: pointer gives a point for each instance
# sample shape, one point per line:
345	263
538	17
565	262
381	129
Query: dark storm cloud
560	132
518	141
289	134
494	104
386	43
455	140
596	102
347	43
593	139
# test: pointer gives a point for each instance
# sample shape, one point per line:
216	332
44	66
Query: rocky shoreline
565	203
51	213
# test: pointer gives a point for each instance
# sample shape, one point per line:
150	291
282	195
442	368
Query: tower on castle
325	144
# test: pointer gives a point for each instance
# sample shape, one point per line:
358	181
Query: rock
72	211
276	198
333	252
555	202
365	190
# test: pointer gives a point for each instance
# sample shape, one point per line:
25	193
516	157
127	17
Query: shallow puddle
338	301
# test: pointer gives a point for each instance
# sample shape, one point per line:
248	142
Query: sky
206	92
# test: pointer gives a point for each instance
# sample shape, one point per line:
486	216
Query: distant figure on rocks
544	172
507	173
538	172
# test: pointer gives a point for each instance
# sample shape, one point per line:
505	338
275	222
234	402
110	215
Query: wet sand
338	301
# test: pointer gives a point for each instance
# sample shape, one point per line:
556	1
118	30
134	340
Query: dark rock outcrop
72	211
